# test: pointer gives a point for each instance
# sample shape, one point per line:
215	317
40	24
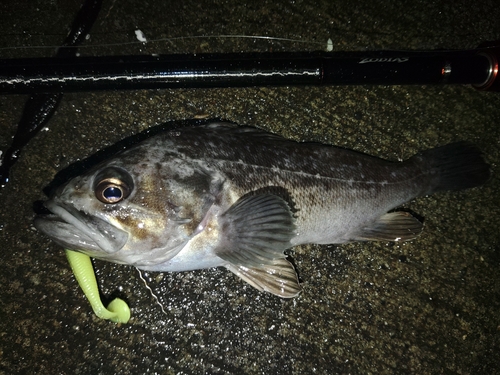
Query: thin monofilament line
261	37
157	300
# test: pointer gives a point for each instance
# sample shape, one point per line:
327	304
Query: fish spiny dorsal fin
394	226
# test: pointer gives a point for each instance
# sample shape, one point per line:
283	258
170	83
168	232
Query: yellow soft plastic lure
117	311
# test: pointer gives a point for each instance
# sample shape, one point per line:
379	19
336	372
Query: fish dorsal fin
230	128
393	226
255	231
278	278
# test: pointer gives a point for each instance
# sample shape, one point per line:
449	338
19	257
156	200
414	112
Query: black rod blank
477	67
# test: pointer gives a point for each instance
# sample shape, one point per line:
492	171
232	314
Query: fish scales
315	175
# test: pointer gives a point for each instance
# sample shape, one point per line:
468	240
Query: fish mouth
77	230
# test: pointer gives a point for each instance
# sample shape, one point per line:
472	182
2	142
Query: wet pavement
428	306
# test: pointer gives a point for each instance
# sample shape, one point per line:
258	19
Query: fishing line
155	297
172	39
326	45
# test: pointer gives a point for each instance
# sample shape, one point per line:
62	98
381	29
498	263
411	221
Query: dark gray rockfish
222	195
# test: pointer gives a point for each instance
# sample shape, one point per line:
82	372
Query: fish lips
76	230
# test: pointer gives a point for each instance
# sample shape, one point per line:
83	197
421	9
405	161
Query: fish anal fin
393	226
278	278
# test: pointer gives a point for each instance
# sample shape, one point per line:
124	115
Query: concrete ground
428	306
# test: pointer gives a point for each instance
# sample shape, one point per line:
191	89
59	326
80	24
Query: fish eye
112	185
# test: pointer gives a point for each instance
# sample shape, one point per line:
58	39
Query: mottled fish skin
223	195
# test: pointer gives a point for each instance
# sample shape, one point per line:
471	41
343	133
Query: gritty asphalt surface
429	306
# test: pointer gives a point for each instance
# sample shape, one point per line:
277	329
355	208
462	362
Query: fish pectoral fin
393	226
278	278
255	231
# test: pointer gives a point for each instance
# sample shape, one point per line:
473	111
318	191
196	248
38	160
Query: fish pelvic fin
278	278
393	226
255	231
455	166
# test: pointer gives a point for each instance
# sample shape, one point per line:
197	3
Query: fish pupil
112	194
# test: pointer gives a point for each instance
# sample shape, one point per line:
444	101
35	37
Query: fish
222	195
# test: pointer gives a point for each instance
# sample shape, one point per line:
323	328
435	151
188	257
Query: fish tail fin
456	166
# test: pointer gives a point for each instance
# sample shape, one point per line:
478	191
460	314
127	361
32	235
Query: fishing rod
41	105
478	67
